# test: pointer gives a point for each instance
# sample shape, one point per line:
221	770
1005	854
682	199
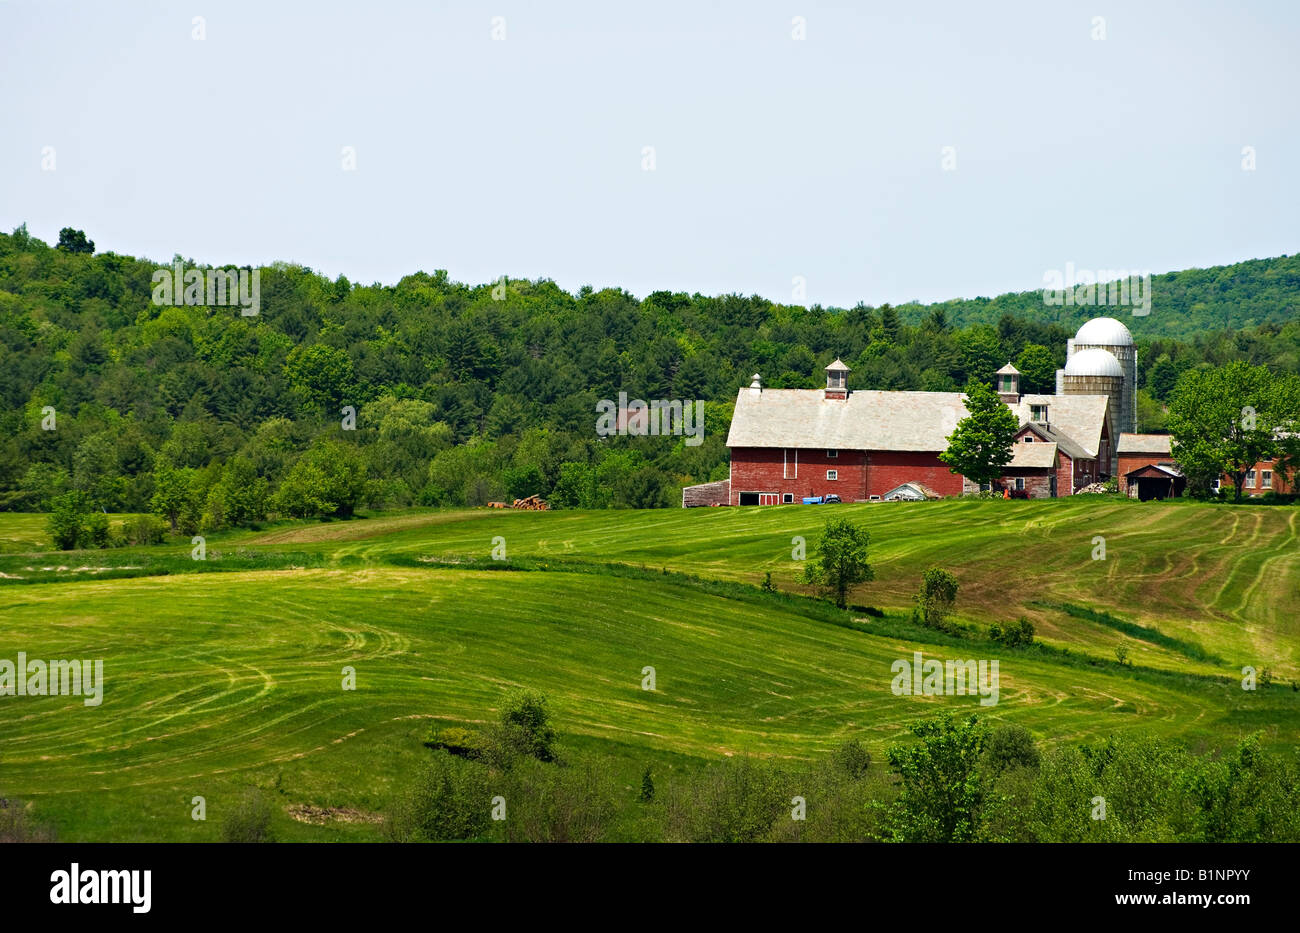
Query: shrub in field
17	825
451	799
935	599
851	758
1126	789
249	820
98	533
1010	746
738	800
144	530
67	521
465	743
556	803
525	729
1016	634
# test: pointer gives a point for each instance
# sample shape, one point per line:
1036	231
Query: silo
1106	333
1094	371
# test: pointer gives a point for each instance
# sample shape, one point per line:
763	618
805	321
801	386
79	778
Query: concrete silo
1094	371
1106	333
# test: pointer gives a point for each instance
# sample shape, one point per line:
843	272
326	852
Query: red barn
790	443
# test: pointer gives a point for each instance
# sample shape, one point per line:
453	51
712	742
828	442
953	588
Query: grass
228	673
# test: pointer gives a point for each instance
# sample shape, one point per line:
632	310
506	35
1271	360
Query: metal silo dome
1103	332
1095	362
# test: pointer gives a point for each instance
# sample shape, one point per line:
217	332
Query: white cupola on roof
837	380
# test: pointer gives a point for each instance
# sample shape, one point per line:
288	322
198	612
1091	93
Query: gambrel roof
897	421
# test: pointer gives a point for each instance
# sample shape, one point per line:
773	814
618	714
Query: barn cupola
837	380
1009	384
756	387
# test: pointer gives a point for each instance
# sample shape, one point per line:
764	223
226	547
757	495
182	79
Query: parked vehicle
831	498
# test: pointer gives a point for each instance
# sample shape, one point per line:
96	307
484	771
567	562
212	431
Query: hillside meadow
228	673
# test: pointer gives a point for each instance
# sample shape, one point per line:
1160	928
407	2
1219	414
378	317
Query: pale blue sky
775	158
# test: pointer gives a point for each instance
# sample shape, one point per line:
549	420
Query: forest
338	396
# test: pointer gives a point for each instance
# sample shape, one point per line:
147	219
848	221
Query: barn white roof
1143	444
1032	456
871	419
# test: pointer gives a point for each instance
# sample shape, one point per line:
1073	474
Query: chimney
756	387
837	380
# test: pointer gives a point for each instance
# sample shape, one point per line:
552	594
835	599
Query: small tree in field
981	444
935	599
840	561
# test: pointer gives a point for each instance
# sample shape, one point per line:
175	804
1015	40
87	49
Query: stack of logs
533	503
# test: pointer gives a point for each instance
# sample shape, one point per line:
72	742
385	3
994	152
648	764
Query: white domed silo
1106	333
1094	371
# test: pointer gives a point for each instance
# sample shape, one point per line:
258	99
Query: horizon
194	262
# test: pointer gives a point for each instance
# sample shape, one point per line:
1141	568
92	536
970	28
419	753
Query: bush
525	729
144	530
935	599
851	758
1010	746
1014	634
67	521
249	820
553	803
450	800
16	824
97	530
738	800
464	743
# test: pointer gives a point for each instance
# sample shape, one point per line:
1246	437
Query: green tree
329	479
322	376
1037	368
74	241
1226	419
840	560
981	444
935	599
173	491
942	788
69	514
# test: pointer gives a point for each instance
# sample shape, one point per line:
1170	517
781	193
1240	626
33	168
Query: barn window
832	474
1268	479
1250	479
1038	413
1029	438
1020	482
832	453
787	497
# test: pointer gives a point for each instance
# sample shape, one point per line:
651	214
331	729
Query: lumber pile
533	503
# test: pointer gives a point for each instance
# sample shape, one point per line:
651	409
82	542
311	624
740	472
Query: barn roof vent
756	387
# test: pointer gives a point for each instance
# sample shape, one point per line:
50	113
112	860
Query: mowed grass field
217	681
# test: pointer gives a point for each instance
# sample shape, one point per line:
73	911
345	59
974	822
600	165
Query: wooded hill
470	393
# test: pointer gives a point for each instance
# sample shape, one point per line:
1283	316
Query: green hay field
232	676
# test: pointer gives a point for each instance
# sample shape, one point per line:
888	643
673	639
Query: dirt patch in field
319	816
